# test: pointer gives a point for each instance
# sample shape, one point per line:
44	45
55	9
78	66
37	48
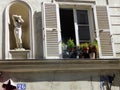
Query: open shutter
51	31
104	36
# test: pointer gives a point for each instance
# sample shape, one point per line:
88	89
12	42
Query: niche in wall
20	8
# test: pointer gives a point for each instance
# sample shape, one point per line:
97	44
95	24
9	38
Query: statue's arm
21	19
13	17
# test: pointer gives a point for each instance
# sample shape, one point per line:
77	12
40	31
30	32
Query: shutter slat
50	15
106	44
52	43
51	32
102	17
104	35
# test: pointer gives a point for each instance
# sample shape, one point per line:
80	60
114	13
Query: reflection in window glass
82	16
84	33
83	26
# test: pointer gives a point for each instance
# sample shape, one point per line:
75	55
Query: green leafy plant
94	49
84	45
70	44
94	46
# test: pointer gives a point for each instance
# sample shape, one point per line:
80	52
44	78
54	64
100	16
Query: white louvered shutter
51	31
104	36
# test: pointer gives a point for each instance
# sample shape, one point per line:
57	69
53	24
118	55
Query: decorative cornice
57	65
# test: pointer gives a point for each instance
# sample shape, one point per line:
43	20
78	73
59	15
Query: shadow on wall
3	35
38	35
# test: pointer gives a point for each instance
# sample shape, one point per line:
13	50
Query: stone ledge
30	65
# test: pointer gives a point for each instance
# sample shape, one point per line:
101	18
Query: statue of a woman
17	20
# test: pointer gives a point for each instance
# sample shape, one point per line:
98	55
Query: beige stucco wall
68	80
37	22
59	80
114	13
36	26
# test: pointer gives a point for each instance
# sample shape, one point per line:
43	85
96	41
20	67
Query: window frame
81	6
77	25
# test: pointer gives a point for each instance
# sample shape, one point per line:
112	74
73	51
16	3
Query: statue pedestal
19	54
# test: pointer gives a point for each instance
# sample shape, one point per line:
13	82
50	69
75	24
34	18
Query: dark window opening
67	25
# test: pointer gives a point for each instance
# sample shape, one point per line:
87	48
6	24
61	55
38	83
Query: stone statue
17	20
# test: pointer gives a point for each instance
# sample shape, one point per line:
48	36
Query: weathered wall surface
37	25
68	80
114	11
36	28
114	17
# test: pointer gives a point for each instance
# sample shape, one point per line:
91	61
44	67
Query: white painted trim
76	27
7	42
97	30
59	30
44	31
91	24
76	3
32	46
76	24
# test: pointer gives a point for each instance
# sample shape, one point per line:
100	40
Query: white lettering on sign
21	86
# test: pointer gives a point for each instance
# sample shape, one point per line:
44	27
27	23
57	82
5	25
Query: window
83	26
75	25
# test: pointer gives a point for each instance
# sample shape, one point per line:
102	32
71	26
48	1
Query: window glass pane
84	34
82	17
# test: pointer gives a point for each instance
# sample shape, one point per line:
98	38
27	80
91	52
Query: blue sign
21	86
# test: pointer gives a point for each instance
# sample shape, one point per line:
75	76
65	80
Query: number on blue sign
21	86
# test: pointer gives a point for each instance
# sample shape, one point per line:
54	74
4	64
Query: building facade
43	62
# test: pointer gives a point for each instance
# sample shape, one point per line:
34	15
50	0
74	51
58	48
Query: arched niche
20	8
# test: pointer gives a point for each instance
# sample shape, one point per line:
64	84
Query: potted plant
71	48
94	49
85	50
65	53
70	44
